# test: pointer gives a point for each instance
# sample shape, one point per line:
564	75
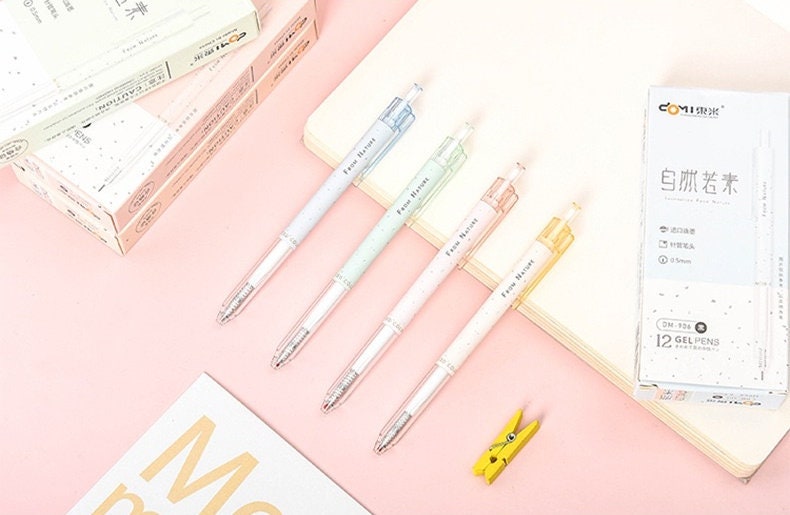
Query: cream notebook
561	87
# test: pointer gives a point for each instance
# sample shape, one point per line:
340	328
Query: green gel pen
428	181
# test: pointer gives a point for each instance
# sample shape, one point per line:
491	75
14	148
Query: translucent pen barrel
364	361
425	183
417	193
368	151
470	233
525	275
290	346
493	308
416	403
257	276
357	164
552	242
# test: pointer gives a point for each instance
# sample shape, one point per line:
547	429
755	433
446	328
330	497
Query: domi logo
690	110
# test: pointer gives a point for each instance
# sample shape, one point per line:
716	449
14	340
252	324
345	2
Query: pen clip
399	116
557	236
450	155
501	196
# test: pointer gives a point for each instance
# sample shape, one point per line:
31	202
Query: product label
287	35
463	237
212	117
338	181
410	199
133	88
97	159
494	307
81	38
218	45
12	150
23	82
715	239
441	265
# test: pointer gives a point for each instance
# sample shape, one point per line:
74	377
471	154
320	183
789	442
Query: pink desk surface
94	347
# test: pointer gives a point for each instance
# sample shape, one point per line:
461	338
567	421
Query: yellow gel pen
550	245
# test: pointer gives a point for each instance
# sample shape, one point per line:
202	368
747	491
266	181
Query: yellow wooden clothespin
504	448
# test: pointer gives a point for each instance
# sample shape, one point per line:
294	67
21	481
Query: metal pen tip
232	307
288	350
385	442
392	433
335	397
223	317
330	403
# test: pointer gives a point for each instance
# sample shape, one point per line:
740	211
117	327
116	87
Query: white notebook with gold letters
209	454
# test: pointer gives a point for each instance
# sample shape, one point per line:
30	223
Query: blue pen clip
399	117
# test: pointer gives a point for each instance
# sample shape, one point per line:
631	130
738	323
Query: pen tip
572	212
515	172
464	132
327	406
415	90
278	362
223	317
289	347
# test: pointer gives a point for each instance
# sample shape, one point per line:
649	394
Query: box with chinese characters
69	63
113	167
150	201
714	291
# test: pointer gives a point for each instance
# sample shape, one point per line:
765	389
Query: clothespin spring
508	439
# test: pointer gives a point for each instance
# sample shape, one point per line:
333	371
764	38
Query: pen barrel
366	154
470	232
391	222
492	309
303	330
249	286
270	262
376	345
424	393
345	385
476	224
464	239
372	143
412	408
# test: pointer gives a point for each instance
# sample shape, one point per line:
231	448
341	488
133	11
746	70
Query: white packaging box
121	242
38	184
112	168
67	63
714	290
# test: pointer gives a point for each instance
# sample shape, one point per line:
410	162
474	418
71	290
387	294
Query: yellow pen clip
507	444
557	237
